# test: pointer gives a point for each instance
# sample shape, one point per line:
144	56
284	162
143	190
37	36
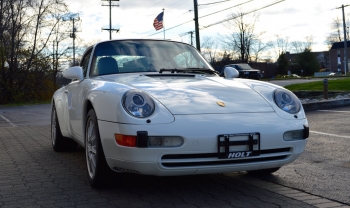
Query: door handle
66	91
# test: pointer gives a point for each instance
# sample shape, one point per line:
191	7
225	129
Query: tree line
244	44
31	41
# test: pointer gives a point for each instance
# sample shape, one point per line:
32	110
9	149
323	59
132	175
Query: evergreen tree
308	62
282	64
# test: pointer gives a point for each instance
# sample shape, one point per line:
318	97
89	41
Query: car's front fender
107	103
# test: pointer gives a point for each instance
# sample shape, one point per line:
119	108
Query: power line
225	20
231	18
169	28
199	18
218	2
147	15
227	8
342	6
155	4
234	17
185	1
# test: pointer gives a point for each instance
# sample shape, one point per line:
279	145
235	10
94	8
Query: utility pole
72	35
186	33
345	41
110	18
198	45
54	52
191	37
73	18
53	55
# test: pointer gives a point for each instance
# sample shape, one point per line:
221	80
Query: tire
98	170
263	171
59	142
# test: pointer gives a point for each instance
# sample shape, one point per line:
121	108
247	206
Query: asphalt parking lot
33	175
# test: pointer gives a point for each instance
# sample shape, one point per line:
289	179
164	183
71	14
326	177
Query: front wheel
97	167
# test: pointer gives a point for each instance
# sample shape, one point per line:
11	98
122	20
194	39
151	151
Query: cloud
296	19
285	11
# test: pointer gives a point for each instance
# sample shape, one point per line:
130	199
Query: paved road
324	168
33	175
33	115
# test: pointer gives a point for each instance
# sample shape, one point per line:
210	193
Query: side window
85	62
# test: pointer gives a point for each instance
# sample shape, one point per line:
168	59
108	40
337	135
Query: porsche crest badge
222	104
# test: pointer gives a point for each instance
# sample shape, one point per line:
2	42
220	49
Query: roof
339	45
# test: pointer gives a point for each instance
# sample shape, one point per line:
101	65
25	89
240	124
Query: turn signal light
125	140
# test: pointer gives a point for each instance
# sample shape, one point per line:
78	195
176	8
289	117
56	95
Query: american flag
158	21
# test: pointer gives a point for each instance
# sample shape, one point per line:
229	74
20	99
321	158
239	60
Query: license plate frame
252	141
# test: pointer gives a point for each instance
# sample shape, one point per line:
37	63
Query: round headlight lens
287	101
138	103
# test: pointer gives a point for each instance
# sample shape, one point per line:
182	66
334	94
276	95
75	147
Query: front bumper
199	153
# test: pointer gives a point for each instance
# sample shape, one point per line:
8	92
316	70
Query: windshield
244	67
130	56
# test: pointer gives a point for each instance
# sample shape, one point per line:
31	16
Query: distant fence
321	74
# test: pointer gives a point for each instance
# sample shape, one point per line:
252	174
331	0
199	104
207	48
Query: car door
75	97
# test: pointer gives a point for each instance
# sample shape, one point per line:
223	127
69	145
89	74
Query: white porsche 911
156	107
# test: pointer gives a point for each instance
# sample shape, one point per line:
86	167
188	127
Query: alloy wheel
91	147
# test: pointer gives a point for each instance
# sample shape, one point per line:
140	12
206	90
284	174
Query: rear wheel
59	142
97	167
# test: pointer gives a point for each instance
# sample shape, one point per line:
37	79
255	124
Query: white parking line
8	121
335	135
334	111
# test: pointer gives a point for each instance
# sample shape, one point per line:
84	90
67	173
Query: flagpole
163	24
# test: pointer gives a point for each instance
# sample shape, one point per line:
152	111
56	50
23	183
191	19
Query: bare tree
336	34
243	36
46	13
300	46
258	49
61	39
14	25
309	42
209	48
280	45
26	28
297	46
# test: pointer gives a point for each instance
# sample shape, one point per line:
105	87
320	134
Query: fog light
293	135
166	141
125	140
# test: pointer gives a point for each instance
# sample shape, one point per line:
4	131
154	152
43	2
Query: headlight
138	103
287	101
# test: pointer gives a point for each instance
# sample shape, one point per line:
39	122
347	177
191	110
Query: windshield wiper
187	70
205	70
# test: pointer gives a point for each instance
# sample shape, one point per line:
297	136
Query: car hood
197	94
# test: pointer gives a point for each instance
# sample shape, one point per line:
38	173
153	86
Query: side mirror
75	72
231	72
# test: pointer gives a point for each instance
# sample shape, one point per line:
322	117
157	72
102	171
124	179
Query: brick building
321	56
336	57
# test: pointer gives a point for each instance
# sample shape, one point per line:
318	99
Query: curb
321	105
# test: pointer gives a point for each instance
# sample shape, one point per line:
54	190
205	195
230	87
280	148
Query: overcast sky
295	19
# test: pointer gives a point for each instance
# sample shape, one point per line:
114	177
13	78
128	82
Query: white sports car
156	107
